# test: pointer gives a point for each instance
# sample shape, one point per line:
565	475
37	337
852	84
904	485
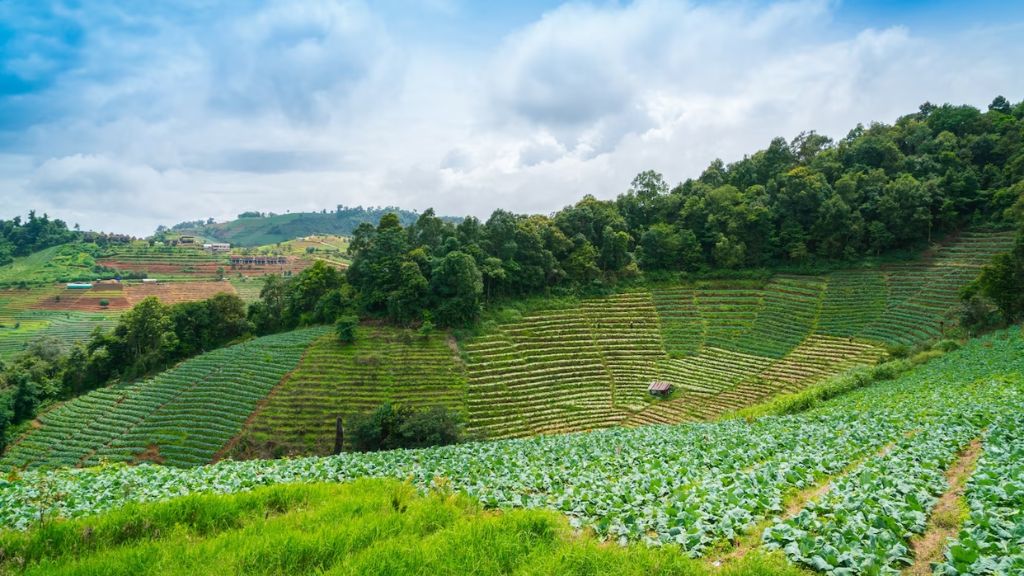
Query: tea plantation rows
880	453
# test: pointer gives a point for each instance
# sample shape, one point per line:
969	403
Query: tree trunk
339	436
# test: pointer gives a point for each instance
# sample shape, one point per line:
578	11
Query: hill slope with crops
722	345
860	484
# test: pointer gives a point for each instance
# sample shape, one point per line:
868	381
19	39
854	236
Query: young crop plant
991	541
693	485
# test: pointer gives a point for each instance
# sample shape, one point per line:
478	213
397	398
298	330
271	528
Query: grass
65	263
365	527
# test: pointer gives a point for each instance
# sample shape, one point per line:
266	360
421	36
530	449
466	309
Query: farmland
873	460
723	344
182	416
332	380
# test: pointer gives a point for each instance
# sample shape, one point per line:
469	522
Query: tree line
880	188
148	338
21	238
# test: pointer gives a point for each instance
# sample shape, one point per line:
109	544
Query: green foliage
345	328
456	286
362	528
1001	282
396	426
19	238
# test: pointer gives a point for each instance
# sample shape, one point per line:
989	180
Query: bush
345	328
391	426
898	351
104	302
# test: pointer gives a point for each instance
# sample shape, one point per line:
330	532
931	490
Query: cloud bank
123	118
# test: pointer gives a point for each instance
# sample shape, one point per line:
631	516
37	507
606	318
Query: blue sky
125	115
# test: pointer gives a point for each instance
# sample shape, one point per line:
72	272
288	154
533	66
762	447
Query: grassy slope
362	528
284	227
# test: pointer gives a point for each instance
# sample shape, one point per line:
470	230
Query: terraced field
565	370
332	380
165	262
21	322
722	344
181	417
852	486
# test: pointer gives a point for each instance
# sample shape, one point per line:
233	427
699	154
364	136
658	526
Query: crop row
335	380
862	525
992	538
182	416
692	484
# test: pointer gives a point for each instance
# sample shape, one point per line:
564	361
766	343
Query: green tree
456	287
345	328
660	248
1002	282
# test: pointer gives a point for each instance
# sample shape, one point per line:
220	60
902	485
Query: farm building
659	388
217	247
258	260
79	285
187	240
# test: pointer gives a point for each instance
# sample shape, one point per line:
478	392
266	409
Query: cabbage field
870	466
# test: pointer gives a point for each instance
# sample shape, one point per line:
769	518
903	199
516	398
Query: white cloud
307	104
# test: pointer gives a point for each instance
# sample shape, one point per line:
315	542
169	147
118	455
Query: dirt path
792	506
947	515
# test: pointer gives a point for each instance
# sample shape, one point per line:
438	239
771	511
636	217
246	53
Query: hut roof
659	386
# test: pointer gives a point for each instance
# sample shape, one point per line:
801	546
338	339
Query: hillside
271	229
325	527
35	303
848	487
723	344
180	417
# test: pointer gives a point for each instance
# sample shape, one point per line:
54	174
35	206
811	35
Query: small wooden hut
659	388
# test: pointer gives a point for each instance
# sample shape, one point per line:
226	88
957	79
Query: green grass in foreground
365	527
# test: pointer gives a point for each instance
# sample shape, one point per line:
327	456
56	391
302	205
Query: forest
799	203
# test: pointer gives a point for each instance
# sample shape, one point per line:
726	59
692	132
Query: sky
123	115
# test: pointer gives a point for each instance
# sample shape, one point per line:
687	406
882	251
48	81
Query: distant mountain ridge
256	229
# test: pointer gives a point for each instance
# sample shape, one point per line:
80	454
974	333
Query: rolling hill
260	230
723	344
866	483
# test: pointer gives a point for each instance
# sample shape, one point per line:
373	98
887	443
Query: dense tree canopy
18	238
880	188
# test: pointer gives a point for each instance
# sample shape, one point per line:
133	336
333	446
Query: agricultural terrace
183	416
722	344
332	380
65	263
21	322
845	488
164	262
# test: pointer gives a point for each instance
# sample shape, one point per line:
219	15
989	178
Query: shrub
104	302
391	426
898	350
345	328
